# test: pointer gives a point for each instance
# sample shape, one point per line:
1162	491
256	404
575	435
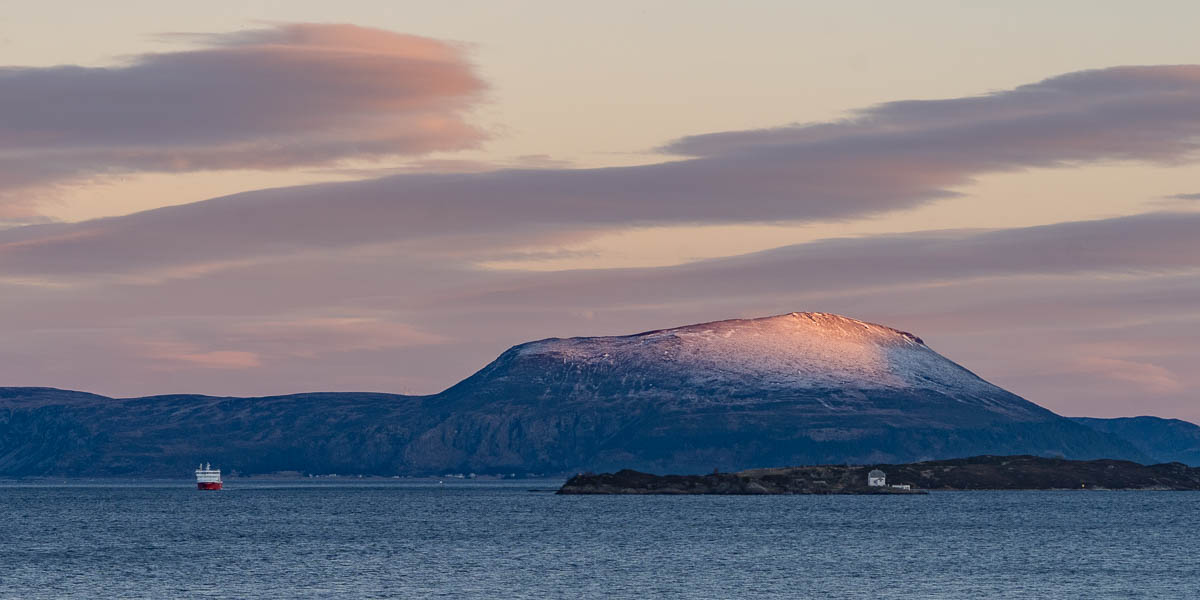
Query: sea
513	539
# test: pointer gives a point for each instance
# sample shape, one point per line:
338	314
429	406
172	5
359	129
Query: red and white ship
208	478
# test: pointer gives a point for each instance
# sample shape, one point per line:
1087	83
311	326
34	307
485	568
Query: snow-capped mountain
804	353
800	388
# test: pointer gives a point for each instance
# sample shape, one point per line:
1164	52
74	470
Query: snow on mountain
801	351
794	389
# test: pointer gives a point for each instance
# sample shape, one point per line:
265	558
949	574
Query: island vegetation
975	473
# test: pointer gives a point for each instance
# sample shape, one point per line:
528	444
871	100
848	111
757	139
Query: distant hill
800	388
47	431
1163	440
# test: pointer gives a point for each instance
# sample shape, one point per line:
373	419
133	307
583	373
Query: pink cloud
301	94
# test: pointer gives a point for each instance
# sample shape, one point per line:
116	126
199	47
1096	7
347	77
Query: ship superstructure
208	478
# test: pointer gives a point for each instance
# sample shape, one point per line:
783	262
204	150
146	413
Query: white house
876	478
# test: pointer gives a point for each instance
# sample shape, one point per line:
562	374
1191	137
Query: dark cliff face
803	388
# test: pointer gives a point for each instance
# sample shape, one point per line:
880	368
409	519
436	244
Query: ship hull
215	485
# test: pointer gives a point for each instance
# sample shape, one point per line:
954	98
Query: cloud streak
886	158
1137	245
300	94
1120	113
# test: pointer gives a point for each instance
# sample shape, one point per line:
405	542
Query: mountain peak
798	350
811	322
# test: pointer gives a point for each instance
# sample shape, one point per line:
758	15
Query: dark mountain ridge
1162	440
801	388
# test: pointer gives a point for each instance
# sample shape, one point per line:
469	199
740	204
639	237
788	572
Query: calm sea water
498	540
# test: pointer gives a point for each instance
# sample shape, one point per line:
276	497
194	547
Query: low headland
975	473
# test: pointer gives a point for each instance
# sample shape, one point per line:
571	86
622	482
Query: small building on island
876	478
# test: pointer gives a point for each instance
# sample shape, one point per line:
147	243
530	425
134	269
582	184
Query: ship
208	478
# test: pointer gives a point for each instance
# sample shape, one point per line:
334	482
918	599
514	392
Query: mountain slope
1163	440
800	388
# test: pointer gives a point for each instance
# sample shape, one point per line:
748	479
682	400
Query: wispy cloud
236	344
175	355
309	337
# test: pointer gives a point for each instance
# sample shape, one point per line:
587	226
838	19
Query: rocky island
975	473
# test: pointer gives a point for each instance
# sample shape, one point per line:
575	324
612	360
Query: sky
258	198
